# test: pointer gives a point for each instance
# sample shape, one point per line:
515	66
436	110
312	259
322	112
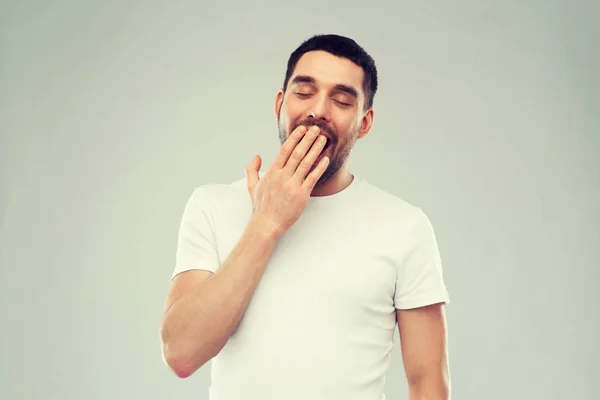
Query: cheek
291	105
289	114
346	127
354	127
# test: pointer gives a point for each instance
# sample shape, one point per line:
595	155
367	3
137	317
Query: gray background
112	112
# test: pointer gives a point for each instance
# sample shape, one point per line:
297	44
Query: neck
338	182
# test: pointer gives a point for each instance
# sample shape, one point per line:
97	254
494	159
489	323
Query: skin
333	110
313	97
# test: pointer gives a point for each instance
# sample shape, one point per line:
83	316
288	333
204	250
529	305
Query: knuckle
287	148
291	146
296	154
305	163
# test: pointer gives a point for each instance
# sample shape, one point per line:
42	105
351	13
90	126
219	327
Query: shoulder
220	199
219	191
391	206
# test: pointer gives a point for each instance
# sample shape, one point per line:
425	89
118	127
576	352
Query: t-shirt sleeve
196	246
420	280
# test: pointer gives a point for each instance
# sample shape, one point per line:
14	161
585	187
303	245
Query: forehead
329	70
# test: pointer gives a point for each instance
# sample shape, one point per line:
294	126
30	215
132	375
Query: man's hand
280	196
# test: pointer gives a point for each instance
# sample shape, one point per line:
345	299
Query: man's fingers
311	180
301	170
302	150
289	146
252	173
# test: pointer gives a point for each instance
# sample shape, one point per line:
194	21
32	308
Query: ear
366	123
278	102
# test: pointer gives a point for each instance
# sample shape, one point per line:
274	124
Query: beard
340	151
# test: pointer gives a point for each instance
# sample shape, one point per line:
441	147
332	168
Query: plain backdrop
112	112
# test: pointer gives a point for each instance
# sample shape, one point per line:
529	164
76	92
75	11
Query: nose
319	109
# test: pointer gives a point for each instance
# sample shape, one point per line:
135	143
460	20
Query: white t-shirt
320	324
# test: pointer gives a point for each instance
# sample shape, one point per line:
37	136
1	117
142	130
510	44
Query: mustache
318	123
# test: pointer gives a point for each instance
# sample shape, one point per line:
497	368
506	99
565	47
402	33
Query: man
292	283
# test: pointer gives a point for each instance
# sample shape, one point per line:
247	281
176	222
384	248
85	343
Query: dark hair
342	47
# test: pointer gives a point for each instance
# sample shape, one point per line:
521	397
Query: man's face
326	91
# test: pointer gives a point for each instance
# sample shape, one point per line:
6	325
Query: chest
329	267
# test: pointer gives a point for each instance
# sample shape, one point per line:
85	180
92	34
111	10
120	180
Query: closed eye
343	104
307	95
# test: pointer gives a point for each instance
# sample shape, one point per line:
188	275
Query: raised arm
204	309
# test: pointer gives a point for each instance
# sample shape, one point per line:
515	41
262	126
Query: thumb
252	176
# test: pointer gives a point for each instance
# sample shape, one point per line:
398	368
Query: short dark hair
342	47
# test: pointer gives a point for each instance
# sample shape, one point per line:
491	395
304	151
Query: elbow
434	386
177	359
174	356
438	389
182	370
184	356
183	366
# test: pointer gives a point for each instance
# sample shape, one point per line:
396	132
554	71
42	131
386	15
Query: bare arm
204	310
423	337
202	314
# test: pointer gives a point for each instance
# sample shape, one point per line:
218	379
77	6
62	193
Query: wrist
265	227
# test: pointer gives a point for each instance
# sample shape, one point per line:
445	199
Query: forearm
198	325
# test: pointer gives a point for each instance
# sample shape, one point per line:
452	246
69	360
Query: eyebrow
342	88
